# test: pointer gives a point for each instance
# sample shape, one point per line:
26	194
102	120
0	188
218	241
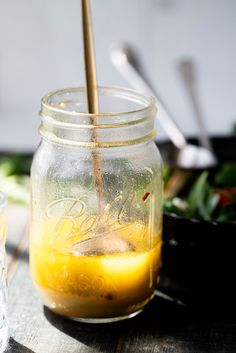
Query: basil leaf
226	177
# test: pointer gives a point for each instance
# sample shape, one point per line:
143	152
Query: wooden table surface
163	327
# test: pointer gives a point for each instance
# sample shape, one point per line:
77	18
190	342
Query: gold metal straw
92	96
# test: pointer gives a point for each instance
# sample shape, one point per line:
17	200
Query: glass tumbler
3	276
96	205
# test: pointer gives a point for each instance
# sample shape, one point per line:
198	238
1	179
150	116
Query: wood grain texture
163	327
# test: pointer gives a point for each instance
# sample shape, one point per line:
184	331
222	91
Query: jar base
105	320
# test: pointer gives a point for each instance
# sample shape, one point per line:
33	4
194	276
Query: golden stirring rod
92	97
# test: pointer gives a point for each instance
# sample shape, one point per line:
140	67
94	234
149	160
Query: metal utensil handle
132	74
188	75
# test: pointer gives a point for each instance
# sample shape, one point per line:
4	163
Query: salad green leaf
226	177
212	196
14	178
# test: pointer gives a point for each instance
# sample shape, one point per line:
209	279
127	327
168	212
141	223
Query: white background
41	50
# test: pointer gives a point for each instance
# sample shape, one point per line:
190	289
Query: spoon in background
190	156
187	71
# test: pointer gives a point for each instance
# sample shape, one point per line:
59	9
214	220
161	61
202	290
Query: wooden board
163	327
17	235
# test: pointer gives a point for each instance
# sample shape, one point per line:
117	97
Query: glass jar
96	210
3	276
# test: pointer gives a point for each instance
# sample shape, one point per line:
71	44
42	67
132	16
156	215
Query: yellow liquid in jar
95	285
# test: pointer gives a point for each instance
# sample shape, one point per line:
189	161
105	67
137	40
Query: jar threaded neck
127	117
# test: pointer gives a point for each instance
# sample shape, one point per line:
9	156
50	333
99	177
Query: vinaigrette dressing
93	283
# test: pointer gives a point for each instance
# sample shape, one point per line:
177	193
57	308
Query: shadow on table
162	323
15	347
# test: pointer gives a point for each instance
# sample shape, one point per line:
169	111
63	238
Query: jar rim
64	120
150	101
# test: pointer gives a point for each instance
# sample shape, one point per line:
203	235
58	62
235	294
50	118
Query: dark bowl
199	257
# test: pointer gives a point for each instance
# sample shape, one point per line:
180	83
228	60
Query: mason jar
96	205
4	334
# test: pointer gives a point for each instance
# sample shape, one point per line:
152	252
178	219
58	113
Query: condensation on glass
95	254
